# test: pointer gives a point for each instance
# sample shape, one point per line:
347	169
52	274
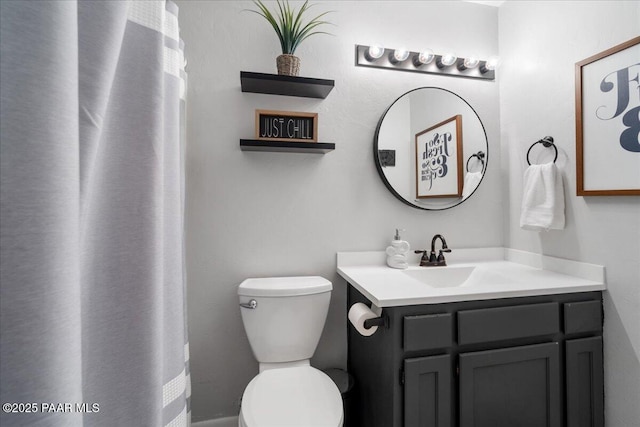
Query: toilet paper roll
358	313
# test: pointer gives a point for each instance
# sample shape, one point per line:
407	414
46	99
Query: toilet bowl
291	397
284	318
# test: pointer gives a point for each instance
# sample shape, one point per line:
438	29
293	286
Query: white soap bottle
397	252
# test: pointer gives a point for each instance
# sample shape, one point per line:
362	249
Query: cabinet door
585	398
427	391
517	386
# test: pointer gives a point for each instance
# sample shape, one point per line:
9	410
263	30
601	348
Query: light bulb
423	58
471	62
399	55
447	60
374	52
490	65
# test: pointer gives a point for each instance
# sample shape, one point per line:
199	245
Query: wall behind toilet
268	214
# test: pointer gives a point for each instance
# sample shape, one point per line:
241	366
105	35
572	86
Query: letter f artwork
625	85
608	122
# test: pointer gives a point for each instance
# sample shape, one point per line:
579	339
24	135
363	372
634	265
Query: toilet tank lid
284	286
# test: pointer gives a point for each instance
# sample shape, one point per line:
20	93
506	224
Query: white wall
267	214
540	43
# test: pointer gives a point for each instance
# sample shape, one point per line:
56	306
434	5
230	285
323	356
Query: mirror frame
379	165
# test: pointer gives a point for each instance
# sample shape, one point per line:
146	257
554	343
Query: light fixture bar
413	65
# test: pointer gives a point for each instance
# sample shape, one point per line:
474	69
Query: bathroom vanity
500	338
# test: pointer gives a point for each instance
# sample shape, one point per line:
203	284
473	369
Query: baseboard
218	422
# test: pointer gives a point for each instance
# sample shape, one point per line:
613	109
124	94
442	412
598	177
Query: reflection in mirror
431	149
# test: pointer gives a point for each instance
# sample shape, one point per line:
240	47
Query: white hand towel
543	199
471	181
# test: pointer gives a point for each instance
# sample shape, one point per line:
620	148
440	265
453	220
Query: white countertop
497	273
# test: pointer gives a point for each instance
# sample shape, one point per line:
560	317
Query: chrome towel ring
547	141
480	155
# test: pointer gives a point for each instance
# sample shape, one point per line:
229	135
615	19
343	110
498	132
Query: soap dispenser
397	252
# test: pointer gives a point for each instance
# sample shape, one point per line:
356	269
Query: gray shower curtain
92	287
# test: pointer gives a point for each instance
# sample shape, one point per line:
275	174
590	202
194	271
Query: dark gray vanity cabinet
533	361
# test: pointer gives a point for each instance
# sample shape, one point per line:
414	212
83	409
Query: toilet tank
289	316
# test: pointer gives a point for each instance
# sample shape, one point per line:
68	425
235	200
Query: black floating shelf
286	146
275	84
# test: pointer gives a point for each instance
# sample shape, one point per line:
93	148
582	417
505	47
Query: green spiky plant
288	24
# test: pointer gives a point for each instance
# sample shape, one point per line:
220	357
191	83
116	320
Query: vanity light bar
425	62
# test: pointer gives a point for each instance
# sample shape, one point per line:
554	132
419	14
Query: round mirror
431	149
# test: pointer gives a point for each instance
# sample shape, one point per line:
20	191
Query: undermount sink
441	277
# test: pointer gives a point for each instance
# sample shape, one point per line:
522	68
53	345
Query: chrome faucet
432	260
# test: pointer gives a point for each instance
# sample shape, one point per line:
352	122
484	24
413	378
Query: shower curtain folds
92	279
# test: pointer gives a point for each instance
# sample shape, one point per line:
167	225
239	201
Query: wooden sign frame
439	160
291	126
607	145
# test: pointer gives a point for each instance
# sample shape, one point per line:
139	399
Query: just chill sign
439	160
287	126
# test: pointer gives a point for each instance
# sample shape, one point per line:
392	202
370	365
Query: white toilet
283	318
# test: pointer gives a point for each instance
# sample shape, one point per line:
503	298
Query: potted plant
288	25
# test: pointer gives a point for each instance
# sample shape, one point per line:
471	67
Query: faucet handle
424	261
441	259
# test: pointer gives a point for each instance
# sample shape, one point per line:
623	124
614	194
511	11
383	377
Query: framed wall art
608	122
439	160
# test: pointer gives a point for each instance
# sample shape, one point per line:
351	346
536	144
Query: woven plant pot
288	65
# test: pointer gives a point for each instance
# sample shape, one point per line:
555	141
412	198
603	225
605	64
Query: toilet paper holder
377	321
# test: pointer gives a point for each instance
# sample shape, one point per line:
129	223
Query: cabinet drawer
504	323
584	316
428	332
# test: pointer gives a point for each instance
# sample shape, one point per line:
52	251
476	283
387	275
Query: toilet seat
291	397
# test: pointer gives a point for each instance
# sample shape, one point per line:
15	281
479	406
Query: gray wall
537	99
268	214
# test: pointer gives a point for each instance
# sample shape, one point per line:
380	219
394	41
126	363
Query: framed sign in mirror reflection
439	160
